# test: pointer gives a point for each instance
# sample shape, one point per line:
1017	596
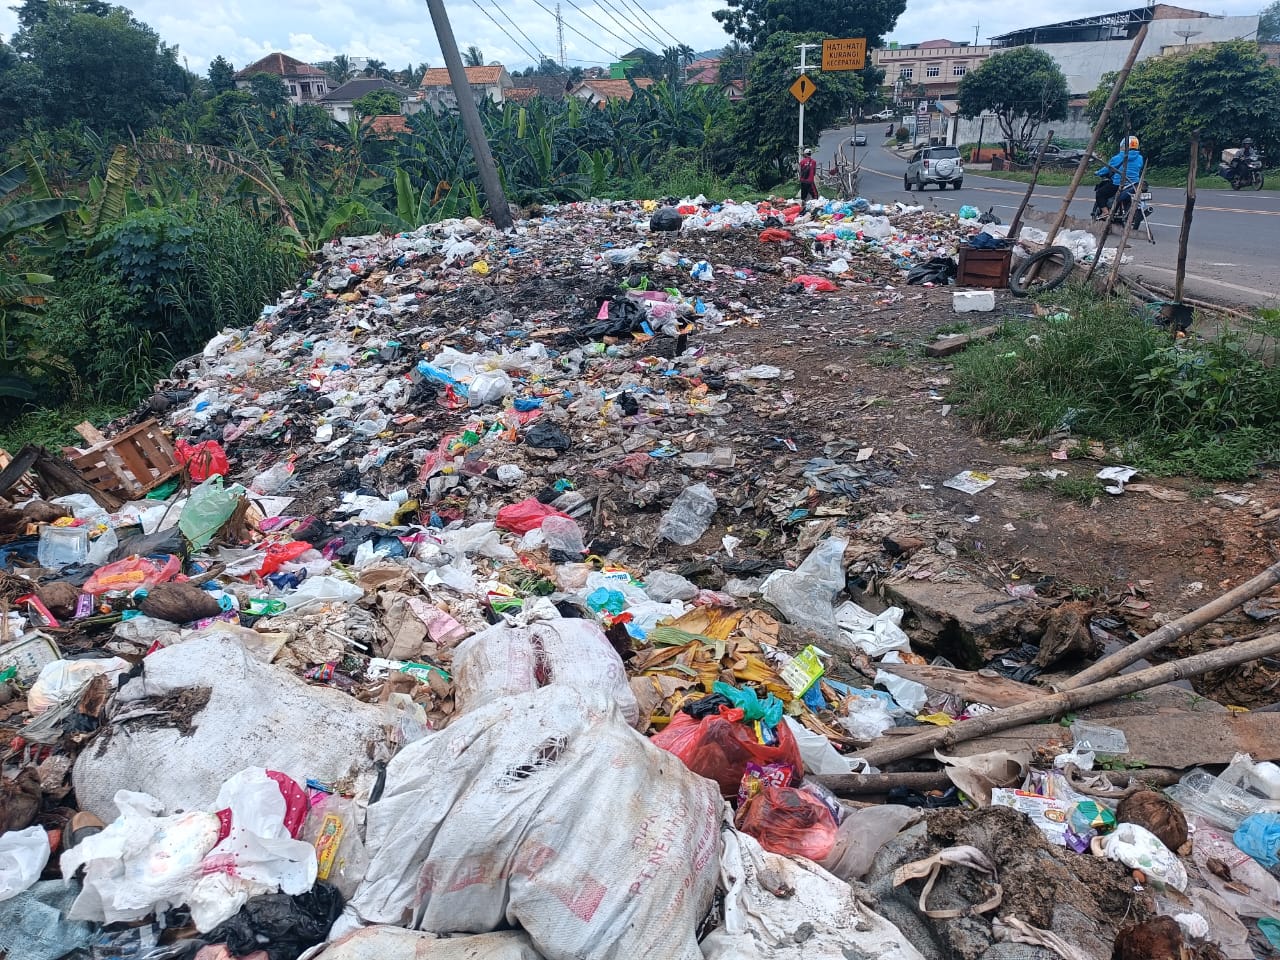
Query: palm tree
734	59
473	57
339	69
376	68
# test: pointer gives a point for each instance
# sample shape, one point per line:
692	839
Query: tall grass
1209	408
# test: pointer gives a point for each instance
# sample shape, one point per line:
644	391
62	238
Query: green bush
1206	408
901	134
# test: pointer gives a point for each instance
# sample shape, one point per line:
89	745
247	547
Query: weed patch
1209	408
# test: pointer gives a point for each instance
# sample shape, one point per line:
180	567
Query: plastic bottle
689	515
564	534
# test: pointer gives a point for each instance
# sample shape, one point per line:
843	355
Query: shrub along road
1233	237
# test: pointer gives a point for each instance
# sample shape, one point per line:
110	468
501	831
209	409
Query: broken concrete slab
968	621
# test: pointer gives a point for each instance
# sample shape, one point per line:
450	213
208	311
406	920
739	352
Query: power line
628	18
640	7
504	30
538	49
625	41
625	26
594	43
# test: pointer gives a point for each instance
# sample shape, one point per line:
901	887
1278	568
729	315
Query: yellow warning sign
803	88
848	54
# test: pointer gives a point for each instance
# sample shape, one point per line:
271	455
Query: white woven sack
257	715
396	943
547	812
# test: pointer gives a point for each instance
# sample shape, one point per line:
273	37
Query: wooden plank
91	434
995	690
12	473
60	478
954	344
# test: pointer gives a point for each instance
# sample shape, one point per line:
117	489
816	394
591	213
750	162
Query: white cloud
399	32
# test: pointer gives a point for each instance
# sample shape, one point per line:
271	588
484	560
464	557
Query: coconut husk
60	597
1158	814
179	603
1067	634
19	800
42	511
1159	938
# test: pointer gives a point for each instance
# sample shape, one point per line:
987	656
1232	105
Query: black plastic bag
938	270
665	220
547	436
284	926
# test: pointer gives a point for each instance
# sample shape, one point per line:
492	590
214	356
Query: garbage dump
467	605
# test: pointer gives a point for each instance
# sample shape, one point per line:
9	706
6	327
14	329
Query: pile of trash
447	630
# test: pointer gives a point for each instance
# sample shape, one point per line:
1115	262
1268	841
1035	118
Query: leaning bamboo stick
888	749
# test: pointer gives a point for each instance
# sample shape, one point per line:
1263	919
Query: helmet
1133	143
1248	142
808	152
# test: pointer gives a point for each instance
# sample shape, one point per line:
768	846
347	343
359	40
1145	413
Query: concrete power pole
560	36
470	115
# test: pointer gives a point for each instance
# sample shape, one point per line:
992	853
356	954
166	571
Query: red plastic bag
719	747
126	576
790	822
278	554
202	460
775	235
815	284
525	516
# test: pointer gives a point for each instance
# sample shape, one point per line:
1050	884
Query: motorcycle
1120	205
1242	173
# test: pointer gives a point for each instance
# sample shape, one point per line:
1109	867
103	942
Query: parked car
859	139
885	114
939	165
1055	155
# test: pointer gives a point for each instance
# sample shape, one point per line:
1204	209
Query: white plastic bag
23	854
806	596
868	718
874	634
257	856
489	386
141	862
786	909
63	680
511	816
816	752
907	694
1140	849
316	592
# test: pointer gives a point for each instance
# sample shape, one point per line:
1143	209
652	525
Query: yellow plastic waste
481	267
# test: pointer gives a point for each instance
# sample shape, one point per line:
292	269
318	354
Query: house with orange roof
487	83
602	91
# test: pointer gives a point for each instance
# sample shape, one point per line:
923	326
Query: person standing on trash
1124	168
808	176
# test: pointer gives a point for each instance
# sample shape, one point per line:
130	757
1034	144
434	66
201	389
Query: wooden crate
129	465
984	268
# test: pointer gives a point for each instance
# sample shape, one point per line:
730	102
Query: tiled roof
708	76
282	65
520	94
389	123
476	76
355	89
613	89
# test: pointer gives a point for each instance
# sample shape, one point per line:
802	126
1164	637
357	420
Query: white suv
940	165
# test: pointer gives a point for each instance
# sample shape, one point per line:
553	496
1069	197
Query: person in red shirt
808	176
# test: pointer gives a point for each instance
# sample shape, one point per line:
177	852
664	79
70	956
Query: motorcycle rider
1124	168
1240	165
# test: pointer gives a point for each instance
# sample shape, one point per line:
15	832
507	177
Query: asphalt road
1234	236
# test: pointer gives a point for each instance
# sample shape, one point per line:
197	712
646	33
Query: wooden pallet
129	465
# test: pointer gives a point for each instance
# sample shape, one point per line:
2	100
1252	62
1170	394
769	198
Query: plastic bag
908	694
874	634
206	510
789	821
1140	849
334	829
816	752
769	710
868	718
63	680
202	460
126	576
663	586
23	854
284	926
719	747
489	386
528	514
545	435
806	595
815	284
689	515
861	835
935	270
1259	837
564	534
317	592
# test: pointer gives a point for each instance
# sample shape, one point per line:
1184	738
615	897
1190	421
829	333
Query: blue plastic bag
1259	837
768	710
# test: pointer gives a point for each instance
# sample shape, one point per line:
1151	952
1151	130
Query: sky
399	31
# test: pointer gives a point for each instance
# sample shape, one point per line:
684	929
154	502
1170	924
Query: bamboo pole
1184	234
1115	662
888	749
1026	197
1134	204
1086	161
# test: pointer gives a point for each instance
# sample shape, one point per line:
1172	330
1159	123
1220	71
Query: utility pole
804	49
470	115
560	36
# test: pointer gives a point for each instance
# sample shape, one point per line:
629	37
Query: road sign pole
804	49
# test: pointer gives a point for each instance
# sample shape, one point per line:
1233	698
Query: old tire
1019	282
